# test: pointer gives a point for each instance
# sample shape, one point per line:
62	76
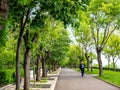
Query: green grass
109	76
95	71
43	80
113	77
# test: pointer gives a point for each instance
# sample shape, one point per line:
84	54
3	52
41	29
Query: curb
56	79
7	87
53	83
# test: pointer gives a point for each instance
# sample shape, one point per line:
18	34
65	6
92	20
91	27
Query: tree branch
27	17
108	36
93	35
104	37
34	38
25	37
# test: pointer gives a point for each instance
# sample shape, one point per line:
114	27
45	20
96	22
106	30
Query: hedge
105	68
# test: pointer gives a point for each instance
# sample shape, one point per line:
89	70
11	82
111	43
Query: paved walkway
72	80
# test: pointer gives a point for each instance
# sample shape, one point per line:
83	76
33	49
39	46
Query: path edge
56	79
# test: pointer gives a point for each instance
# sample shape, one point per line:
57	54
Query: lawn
109	76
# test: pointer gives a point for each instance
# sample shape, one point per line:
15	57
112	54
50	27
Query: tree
54	42
59	48
84	38
22	13
38	69
106	52
104	20
112	49
4	9
22	27
27	57
75	55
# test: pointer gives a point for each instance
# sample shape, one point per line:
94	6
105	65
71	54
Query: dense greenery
34	34
100	21
7	76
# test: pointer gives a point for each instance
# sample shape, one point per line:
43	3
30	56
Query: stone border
52	82
56	79
8	87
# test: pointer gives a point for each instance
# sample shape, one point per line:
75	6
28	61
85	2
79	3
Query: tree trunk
99	62
49	68
27	69
108	65
91	65
54	66
88	62
113	64
22	26
18	64
38	68
18	59
27	58
44	73
4	9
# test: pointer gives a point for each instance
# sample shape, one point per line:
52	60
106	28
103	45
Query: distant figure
82	66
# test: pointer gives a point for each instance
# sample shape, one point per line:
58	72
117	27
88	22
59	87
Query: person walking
82	66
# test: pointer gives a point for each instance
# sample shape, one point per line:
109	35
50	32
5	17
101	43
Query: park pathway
72	80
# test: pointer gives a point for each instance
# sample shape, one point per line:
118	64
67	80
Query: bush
7	76
2	75
105	68
22	72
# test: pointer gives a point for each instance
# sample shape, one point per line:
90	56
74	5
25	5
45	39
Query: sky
71	36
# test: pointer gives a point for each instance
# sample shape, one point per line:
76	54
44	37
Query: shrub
22	72
7	76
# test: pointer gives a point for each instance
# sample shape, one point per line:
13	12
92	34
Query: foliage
60	45
83	33
75	54
3	37
64	62
112	49
4	9
114	45
7	76
54	38
84	37
62	10
7	55
48	20
104	20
